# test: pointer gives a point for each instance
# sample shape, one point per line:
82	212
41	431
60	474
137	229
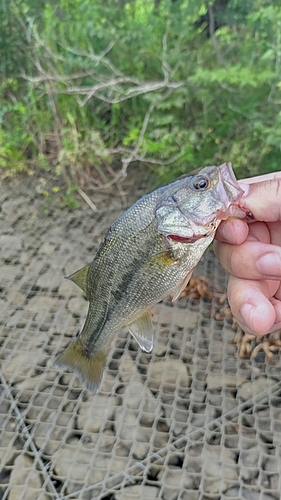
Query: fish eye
201	183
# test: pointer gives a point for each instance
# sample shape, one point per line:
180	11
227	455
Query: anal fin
142	330
182	286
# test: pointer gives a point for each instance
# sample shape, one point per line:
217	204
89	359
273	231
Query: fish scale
148	253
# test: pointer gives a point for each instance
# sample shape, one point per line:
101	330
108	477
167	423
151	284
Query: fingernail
270	265
246	312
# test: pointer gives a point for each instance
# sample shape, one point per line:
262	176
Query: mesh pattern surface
190	421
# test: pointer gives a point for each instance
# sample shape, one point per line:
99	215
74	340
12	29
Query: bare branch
165	66
114	85
46	47
143	88
119	176
110	86
56	77
87	199
97	58
153	161
145	123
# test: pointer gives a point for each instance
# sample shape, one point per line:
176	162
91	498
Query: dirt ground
190	421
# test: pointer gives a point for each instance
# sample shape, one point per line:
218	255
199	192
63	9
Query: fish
148	253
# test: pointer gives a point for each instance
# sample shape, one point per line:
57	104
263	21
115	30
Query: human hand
251	253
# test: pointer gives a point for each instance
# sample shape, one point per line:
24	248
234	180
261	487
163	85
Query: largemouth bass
148	253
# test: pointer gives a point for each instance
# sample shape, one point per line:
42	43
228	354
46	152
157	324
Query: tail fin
88	368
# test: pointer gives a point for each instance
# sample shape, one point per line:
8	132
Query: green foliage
79	150
84	82
69	199
14	139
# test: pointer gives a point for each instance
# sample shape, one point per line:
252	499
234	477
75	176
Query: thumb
263	199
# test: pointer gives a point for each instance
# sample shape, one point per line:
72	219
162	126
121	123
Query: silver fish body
148	253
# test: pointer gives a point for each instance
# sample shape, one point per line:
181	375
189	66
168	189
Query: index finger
261	178
263	199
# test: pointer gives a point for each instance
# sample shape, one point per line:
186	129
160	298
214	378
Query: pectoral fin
80	278
182	286
142	331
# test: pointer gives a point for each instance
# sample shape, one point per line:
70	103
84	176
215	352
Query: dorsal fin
80	278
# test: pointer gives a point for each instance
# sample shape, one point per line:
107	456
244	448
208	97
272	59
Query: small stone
17	318
44	403
250	458
9	451
72	265
126	425
93	414
130	431
176	415
184	318
212	486
10	206
216	469
8	273
10	244
237	492
128	369
26	387
47	248
5	407
75	471
25	481
140	398
77	306
49	433
169	375
16	297
26	257
41	303
255	387
140	450
106	440
165	313
49	281
66	288
216	381
160	439
272	464
190	495
74	463
107	383
160	347
21	365
171	478
6	313
140	492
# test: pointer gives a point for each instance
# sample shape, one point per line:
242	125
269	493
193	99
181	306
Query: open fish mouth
196	236
182	239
